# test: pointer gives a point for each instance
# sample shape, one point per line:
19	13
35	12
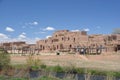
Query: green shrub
80	70
2	78
116	74
35	67
18	79
112	73
97	72
58	69
9	78
4	59
43	66
19	66
70	69
33	63
55	69
48	78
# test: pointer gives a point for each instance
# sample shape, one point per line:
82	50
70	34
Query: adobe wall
65	39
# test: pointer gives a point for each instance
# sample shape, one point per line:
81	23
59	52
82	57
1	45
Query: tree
4	59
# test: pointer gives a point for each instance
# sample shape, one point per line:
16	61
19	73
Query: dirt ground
102	62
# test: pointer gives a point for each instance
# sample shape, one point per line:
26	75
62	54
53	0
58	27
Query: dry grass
102	62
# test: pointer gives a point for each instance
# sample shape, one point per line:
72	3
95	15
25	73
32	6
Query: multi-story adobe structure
65	40
68	41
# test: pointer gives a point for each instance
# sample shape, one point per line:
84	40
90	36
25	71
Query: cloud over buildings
86	29
37	38
3	36
49	29
34	23
9	29
22	35
30	24
75	30
48	36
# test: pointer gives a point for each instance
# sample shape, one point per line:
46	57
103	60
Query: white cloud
49	28
27	40
35	23
48	36
86	29
42	32
75	30
23	33
37	38
9	29
21	36
32	23
3	36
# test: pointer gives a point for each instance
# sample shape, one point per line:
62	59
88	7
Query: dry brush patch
77	61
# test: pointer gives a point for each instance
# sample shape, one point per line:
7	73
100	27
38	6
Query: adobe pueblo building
18	47
67	41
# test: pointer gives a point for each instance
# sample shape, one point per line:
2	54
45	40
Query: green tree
4	58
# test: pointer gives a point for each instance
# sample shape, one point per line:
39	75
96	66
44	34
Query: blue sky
31	20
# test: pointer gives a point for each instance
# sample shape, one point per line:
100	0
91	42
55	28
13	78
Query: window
74	40
52	41
62	38
68	38
55	35
57	46
55	40
61	46
70	46
109	38
43	47
40	46
45	41
114	37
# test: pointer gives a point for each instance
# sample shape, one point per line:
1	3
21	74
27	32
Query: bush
43	66
117	74
33	63
18	79
80	70
2	78
97	72
4	59
48	78
58	69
